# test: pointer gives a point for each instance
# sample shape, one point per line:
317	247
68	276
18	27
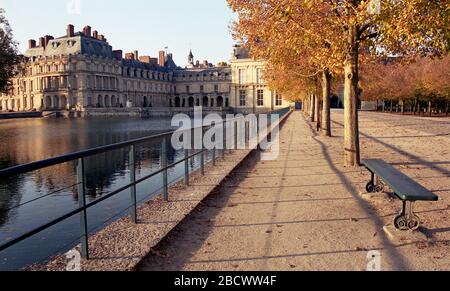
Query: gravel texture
306	211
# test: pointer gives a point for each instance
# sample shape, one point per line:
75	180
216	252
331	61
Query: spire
191	58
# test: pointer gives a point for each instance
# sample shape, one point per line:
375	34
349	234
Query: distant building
249	92
80	71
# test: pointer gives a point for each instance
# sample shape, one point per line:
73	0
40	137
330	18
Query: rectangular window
260	94
216	88
242	76
259	73
242	98
188	89
202	88
279	100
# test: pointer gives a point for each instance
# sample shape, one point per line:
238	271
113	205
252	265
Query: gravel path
122	245
304	211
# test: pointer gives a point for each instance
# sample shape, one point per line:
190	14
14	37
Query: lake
30	200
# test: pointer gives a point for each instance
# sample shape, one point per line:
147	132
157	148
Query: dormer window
55	45
70	43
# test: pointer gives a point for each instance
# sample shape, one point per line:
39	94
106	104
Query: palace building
81	72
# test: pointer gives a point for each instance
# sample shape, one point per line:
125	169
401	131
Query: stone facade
81	72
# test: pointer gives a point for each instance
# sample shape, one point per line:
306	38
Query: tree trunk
326	111
446	110
392	106
312	108
317	111
352	157
402	106
304	101
430	108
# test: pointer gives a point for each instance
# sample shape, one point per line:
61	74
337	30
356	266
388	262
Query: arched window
205	101
55	102
191	102
107	101
220	101
113	101
145	101
100	103
48	102
177	102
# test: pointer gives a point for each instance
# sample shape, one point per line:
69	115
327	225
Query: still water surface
30	200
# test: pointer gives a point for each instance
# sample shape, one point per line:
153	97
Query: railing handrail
90	152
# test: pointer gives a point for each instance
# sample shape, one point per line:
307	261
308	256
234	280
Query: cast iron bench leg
375	185
407	219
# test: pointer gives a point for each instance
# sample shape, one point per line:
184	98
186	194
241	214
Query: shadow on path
420	161
397	259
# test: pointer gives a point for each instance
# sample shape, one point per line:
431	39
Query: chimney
129	56
118	54
42	42
136	55
162	58
101	37
31	43
95	34
70	30
87	31
47	39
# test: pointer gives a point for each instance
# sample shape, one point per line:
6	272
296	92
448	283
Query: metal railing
80	157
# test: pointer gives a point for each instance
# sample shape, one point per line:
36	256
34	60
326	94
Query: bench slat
404	187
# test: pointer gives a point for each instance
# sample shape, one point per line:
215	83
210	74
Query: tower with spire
191	58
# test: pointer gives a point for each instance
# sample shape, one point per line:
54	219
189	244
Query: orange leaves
301	37
395	81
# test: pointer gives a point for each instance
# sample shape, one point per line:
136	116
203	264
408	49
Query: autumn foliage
316	40
425	81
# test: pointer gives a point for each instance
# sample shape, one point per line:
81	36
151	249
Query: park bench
404	188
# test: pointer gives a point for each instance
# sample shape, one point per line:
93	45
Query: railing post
247	132
81	182
224	145
186	167
236	142
202	158
214	152
133	210
164	168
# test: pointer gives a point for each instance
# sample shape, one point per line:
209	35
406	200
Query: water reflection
52	191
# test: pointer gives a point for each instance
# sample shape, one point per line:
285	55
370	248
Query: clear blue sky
145	25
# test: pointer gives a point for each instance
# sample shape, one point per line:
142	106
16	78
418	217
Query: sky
144	25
